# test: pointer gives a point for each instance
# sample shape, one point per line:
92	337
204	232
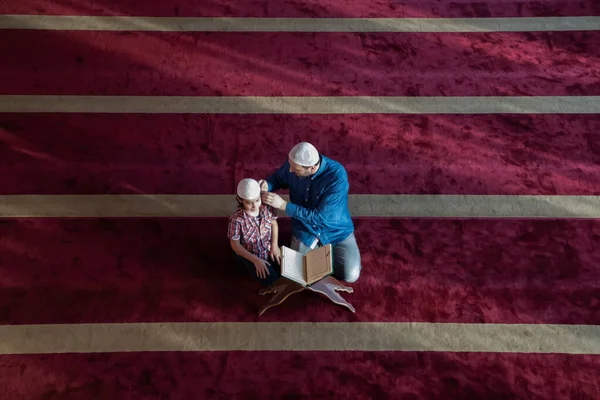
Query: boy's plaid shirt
254	233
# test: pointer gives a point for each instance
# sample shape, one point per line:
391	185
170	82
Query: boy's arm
261	265
274	234
234	234
242	251
275	250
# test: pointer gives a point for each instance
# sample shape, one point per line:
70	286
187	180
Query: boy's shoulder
237	214
268	210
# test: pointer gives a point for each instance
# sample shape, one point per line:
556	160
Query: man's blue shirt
318	204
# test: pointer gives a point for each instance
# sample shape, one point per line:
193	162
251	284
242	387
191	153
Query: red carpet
285	375
128	270
301	64
384	154
415	270
303	9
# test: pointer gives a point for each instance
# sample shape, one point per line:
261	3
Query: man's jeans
346	258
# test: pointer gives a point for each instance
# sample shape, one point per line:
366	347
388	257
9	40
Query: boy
253	234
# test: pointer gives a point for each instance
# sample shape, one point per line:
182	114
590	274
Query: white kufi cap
248	189
304	154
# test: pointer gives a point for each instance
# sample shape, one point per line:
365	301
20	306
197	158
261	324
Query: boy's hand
264	186
261	268
276	254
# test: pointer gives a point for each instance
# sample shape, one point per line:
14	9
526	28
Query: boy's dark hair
239	201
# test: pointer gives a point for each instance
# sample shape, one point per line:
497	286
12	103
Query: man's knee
348	260
352	274
348	270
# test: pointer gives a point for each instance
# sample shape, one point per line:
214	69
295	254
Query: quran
312	271
308	268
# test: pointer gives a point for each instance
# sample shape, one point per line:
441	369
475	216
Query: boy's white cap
304	154
248	189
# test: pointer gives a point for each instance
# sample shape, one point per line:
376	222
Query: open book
306	269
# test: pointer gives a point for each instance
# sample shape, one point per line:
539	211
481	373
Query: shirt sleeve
235	230
272	213
280	178
330	208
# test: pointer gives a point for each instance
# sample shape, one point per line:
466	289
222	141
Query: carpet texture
139	270
301	64
112	270
289	375
383	154
304	9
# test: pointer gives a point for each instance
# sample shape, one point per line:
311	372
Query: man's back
319	202
318	206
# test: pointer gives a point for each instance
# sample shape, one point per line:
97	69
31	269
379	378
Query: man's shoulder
335	168
285	167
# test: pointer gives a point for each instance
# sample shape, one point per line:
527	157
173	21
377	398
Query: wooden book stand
283	288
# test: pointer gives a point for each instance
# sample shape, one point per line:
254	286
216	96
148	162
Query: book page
292	265
319	264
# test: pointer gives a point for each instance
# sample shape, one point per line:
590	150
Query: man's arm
328	210
279	179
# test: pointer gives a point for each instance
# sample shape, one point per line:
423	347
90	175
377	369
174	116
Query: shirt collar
321	167
261	212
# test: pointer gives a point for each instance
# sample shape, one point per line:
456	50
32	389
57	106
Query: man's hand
261	268
274	200
276	254
264	186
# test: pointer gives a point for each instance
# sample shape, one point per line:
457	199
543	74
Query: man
318	206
